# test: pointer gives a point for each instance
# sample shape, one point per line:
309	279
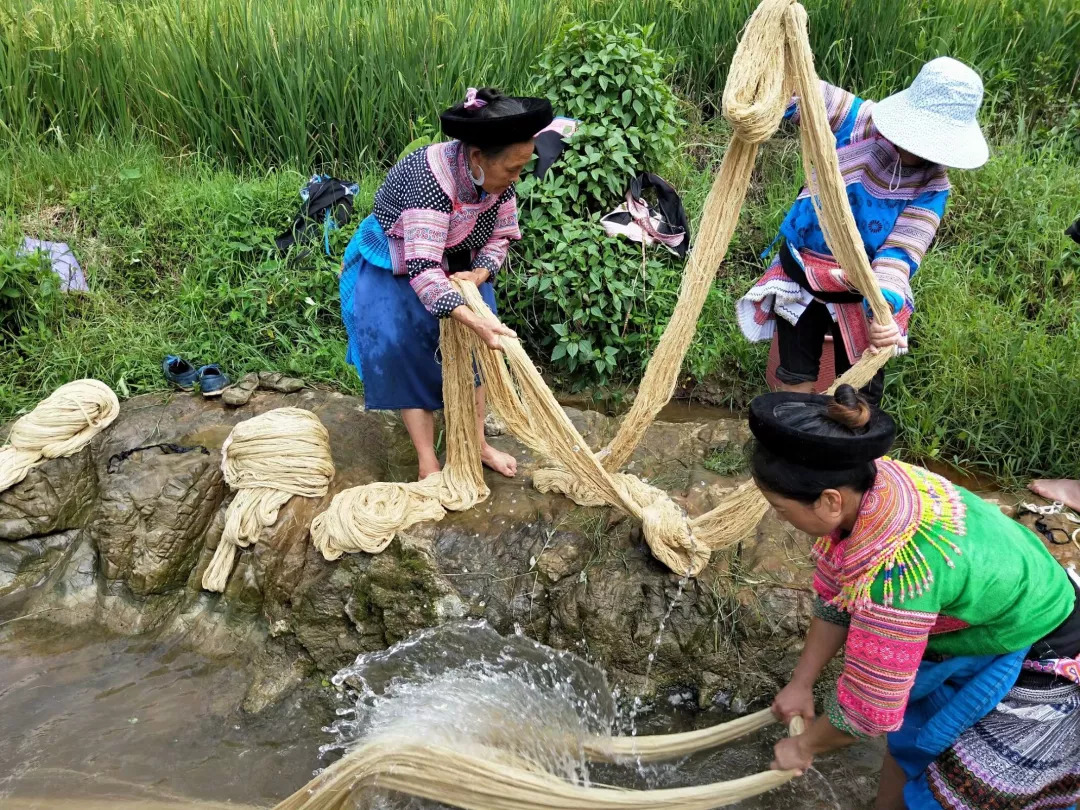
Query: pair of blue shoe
211	379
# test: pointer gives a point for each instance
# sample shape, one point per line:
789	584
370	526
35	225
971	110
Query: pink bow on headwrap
472	102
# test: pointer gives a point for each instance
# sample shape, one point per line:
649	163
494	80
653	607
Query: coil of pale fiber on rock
268	459
479	778
61	425
367	518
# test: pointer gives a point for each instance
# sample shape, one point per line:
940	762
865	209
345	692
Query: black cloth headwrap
502	130
795	426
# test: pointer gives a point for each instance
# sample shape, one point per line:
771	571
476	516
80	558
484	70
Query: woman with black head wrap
961	632
445	210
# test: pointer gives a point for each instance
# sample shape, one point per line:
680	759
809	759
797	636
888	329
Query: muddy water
92	721
677	410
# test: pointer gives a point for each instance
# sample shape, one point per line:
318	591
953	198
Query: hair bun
490	95
849	408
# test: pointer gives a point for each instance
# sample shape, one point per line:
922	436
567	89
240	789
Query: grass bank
180	259
306	82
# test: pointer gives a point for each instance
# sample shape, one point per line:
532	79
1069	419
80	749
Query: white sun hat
935	118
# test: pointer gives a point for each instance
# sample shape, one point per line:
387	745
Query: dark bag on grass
1074	231
327	204
637	220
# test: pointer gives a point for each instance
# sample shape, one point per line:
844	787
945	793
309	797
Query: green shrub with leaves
616	85
590	304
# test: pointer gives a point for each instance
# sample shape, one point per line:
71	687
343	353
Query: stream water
100	721
91	722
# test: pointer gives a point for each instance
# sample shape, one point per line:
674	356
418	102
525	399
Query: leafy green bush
616	85
591	304
588	302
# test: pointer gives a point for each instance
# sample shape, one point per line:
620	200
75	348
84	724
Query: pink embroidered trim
913	232
904	501
1068	668
948	624
870	164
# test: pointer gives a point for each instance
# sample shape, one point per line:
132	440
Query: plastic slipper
212	380
179	372
281	383
241	392
1055	508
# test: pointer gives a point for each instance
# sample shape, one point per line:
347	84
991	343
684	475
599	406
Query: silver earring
479	181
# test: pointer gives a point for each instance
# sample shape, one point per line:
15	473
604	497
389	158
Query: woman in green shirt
961	632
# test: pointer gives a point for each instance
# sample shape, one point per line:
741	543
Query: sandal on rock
179	372
240	393
282	384
212	380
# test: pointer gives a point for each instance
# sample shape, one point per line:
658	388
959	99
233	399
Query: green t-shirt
1005	585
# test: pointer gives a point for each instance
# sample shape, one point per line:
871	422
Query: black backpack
327	204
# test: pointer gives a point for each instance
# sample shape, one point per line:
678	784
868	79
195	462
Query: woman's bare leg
421	427
1058	489
890	793
497	460
802	388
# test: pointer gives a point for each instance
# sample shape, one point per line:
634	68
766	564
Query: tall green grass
179	257
322	81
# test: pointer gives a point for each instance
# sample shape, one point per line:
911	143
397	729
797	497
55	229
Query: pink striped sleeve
881	657
838	103
423	232
423	235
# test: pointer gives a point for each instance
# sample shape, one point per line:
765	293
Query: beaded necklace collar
905	502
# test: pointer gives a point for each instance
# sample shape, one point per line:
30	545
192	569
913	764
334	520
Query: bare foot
1058	489
500	462
428	467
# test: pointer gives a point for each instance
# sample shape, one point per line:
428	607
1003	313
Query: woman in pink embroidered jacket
961	633
447	209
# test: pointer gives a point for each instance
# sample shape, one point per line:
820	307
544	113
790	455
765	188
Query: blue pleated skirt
393	340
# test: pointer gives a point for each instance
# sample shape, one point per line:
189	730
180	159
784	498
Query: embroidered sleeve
884	648
492	255
841	106
903	250
423	234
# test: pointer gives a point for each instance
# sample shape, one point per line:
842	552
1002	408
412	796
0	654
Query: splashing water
636	706
463	685
824	782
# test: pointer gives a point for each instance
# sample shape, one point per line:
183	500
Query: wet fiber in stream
464	686
95	722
